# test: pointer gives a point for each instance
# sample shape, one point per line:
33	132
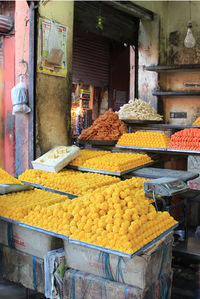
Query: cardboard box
78	285
27	240
57	158
140	271
22	268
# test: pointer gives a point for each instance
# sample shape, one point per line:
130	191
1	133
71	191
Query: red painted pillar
7	117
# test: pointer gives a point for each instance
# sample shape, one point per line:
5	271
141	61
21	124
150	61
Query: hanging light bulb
189	41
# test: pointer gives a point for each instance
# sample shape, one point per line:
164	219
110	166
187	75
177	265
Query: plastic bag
54	48
19	98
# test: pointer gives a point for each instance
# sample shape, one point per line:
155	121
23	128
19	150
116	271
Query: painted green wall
53	94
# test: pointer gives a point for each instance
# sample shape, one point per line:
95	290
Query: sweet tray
88	245
159	149
123	254
109	172
8	188
40	230
70	195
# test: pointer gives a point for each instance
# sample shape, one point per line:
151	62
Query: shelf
160	126
176	93
141	121
173	68
159	150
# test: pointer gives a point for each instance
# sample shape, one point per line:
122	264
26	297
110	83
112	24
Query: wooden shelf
173	68
176	93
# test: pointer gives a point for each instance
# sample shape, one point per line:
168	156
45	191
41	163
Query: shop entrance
103	64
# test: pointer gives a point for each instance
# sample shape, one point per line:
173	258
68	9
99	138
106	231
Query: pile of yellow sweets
197	122
144	139
68	181
86	154
118	217
17	205
117	162
6	178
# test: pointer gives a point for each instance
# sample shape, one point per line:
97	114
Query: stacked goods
138	109
19	204
144	139
22	268
6	178
79	284
86	154
117	161
188	139
119	218
197	122
69	181
105	127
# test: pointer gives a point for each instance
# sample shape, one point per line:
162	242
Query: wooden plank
177	93
132	9
172	68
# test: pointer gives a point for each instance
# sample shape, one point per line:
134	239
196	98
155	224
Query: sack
19	98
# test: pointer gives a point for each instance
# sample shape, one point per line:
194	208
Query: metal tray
70	195
120	253
159	149
182	151
109	172
40	230
8	188
163	149
97	142
142	121
100	248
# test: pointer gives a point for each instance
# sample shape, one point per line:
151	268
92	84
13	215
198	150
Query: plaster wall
53	94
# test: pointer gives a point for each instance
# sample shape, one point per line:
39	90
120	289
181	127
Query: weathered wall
151	45
173	16
148	53
53	94
21	53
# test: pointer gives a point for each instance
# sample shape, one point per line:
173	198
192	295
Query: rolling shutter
6	24
90	63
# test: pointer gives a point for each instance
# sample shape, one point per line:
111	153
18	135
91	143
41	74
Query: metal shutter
90	63
6	24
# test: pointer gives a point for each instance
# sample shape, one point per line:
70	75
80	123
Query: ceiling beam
131	9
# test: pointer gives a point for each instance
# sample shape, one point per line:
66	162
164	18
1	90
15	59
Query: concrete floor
9	290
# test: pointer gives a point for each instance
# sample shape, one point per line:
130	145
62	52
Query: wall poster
52	44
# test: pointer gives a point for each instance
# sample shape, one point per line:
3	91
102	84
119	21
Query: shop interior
104	61
113	213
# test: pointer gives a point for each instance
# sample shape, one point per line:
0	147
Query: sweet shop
100	149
